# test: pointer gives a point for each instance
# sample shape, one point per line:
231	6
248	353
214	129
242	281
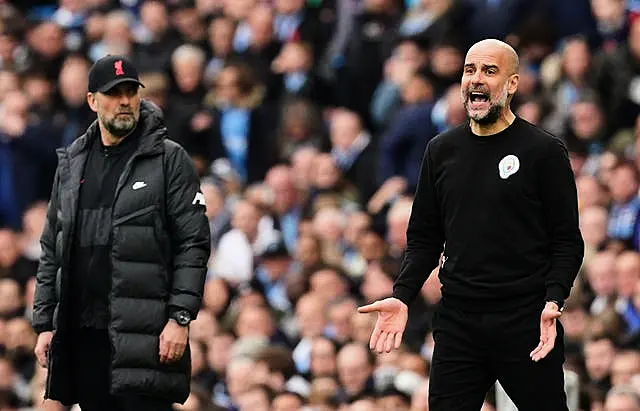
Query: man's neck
505	120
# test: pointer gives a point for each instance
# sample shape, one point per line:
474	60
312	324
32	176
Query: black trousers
473	350
91	362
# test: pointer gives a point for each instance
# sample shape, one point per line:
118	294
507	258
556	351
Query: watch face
183	317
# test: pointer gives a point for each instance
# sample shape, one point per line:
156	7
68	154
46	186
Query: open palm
390	325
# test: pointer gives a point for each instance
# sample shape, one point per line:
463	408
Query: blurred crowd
307	121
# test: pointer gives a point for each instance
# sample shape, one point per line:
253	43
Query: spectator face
589	191
376	284
576	59
118	109
188	74
357	224
623	184
574	322
9	252
328	224
586	120
117	32
254	322
73	81
446	62
221	32
353	368
238	9
487	72
219	352
286	402
14	113
621	403
608	13
204	327
625	365
213	199
362	325
308	251
311	316
364	405
280	180
289	6
627	273
246	218
599	356
530	111
601	274
9	82
593	225
302	162
47	40
154	17
326	172
634	38
345	128
261	24
238	378
10	298
254	399
328	284
371	246
340	319
7	375
8	46
323	358
412	362
227	89
19	336
39	90
393	403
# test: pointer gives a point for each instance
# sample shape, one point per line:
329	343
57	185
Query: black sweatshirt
506	207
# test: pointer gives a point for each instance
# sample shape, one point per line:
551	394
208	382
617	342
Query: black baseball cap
110	71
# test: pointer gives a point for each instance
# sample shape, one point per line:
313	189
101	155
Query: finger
164	350
388	345
398	341
374	338
381	341
546	348
368	308
536	350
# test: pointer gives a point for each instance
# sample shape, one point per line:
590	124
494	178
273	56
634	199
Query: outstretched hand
392	320
548	331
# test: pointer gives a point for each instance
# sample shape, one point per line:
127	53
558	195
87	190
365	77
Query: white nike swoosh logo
138	185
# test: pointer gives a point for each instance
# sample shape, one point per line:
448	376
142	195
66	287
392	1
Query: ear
91	100
513	83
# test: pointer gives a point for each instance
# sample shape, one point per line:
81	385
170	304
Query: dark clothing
90	362
512	236
473	350
402	146
90	272
160	246
506	205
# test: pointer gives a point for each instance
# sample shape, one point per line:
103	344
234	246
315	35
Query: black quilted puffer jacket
158	258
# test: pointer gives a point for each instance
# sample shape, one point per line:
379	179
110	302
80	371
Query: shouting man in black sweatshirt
498	196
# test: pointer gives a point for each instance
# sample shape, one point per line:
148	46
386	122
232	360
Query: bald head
499	49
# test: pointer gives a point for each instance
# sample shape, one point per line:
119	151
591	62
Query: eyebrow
484	66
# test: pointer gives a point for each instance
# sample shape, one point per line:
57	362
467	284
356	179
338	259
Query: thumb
369	308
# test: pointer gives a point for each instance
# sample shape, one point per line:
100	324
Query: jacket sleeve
189	231
559	200
45	298
425	236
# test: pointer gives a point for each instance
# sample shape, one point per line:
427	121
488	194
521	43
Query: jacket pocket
135	214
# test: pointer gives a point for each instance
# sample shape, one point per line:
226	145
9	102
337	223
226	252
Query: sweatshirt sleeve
425	235
560	204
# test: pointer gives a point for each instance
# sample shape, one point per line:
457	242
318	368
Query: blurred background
307	120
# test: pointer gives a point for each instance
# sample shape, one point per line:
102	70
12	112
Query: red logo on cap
118	66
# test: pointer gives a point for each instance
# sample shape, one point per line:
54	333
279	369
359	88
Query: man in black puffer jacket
125	250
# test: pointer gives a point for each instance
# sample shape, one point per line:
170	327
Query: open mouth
478	97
